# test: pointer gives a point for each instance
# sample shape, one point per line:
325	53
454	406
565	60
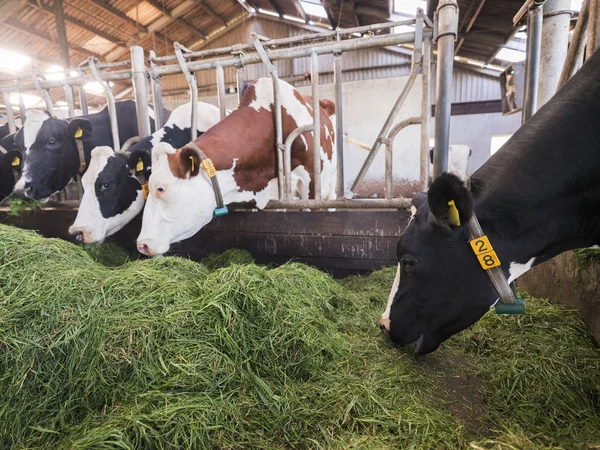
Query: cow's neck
540	195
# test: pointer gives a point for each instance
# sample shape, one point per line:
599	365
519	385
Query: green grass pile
108	254
169	354
588	255
228	258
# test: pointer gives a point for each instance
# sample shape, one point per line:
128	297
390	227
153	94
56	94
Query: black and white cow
10	164
459	156
537	197
113	182
50	156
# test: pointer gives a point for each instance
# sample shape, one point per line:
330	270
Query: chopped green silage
228	258
588	255
170	354
110	255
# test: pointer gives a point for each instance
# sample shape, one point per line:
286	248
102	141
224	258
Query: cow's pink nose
143	249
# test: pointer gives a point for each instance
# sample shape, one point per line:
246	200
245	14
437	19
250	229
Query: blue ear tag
221	211
517	308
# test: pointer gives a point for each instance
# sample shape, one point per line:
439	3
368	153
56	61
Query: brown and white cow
242	147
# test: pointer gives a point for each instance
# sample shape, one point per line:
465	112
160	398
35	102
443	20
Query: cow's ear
450	201
79	128
190	161
139	162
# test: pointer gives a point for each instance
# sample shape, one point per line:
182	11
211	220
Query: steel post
239	78
282	176
140	90
221	91
156	88
447	27
69	98
425	112
555	40
82	97
10	115
112	109
532	64
288	155
576	47
339	124
192	83
314	80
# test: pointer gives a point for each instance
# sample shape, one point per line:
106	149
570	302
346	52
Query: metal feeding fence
146	79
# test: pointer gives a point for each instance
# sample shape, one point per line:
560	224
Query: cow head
441	288
112	196
50	158
178	188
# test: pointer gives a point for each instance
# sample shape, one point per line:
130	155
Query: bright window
28	99
507	54
314	9
409	7
12	62
498	141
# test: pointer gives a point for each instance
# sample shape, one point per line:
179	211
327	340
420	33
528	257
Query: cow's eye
408	263
105	186
160	190
51	141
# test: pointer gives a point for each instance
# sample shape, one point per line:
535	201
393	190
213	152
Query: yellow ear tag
192	160
453	216
145	191
139	166
78	133
15	162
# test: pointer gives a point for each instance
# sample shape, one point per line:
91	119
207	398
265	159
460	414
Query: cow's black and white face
112	197
440	288
50	158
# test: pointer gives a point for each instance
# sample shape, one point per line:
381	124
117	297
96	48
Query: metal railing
146	79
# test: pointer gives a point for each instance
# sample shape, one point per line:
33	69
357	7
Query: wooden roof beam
174	15
15	25
76	22
332	20
277	7
120	15
206	7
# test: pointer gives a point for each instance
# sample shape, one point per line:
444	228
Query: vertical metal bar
70	100
43	92
555	40
593	39
314	68
83	99
140	90
447	23
577	45
388	170
221	90
156	93
112	109
192	83
240	82
425	112
282	176
532	64
339	128
22	109
10	115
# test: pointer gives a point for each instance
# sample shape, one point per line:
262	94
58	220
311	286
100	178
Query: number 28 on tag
485	252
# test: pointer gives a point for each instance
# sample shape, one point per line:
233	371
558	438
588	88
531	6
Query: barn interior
420	87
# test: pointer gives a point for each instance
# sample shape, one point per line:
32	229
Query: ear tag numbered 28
485	252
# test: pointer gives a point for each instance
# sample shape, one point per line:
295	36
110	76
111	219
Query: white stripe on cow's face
385	317
34	119
89	220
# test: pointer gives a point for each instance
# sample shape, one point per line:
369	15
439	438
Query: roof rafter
206	7
175	15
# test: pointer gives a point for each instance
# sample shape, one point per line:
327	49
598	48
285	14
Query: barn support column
532	64
577	45
140	89
314	79
425	111
447	27
555	40
339	124
63	44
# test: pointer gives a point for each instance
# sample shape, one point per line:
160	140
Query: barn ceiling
106	29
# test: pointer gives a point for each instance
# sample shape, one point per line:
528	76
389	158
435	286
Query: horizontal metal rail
370	203
293	40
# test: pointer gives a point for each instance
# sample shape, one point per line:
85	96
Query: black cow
113	184
10	164
537	197
50	156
